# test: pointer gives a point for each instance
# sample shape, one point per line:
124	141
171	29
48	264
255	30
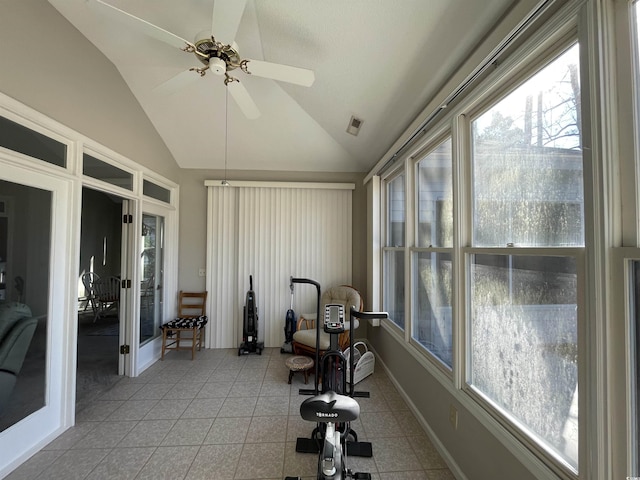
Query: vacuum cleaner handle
291	287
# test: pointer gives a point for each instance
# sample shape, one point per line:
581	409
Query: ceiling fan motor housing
220	58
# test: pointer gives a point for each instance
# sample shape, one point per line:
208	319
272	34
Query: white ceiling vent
354	126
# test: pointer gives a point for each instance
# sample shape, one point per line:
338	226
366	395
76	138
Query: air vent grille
354	125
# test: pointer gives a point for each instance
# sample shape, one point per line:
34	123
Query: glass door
151	276
24	292
36	318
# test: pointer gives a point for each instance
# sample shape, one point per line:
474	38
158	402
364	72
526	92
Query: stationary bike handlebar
368	315
317	356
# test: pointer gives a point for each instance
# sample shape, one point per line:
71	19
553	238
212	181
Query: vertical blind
273	232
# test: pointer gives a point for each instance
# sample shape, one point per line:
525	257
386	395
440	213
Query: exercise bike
335	407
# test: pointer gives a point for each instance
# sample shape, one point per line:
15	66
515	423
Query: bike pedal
361	476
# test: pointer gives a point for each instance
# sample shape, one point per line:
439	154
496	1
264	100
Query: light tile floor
225	417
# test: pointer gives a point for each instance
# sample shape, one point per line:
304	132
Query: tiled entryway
225	417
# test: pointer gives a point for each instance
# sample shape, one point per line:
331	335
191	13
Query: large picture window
527	190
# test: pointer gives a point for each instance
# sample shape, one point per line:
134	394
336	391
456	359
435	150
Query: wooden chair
106	294
191	318
88	279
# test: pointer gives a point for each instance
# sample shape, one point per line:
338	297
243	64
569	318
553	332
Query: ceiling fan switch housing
217	66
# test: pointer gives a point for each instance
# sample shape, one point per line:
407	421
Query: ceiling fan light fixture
217	66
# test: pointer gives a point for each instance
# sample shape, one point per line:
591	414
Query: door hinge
125	349
127	219
126	283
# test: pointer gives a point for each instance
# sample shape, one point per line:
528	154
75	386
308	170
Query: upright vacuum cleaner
289	326
250	342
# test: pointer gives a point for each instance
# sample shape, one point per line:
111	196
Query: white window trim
595	446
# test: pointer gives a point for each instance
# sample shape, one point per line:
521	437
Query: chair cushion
308	338
186	322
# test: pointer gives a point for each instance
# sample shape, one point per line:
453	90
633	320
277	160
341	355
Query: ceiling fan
217	54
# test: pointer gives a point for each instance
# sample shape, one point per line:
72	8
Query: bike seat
330	407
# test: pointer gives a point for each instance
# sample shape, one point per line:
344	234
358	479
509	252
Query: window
432	292
393	267
106	172
527	163
152	273
152	190
29	142
527	191
635	360
634	321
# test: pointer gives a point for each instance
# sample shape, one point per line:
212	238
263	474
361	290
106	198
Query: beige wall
49	66
193	218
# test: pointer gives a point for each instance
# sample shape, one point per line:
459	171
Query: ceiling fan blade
243	99
226	18
176	83
139	24
283	73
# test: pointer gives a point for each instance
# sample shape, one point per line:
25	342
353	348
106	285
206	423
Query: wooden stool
299	363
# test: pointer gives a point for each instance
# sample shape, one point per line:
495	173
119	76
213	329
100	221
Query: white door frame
31	434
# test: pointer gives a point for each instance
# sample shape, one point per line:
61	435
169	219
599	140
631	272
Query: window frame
532	55
387	249
625	406
426	148
522	70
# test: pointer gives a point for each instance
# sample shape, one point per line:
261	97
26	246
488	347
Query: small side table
299	363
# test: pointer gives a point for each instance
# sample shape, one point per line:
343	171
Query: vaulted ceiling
378	60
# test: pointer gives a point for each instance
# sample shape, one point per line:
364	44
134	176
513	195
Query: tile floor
225	417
